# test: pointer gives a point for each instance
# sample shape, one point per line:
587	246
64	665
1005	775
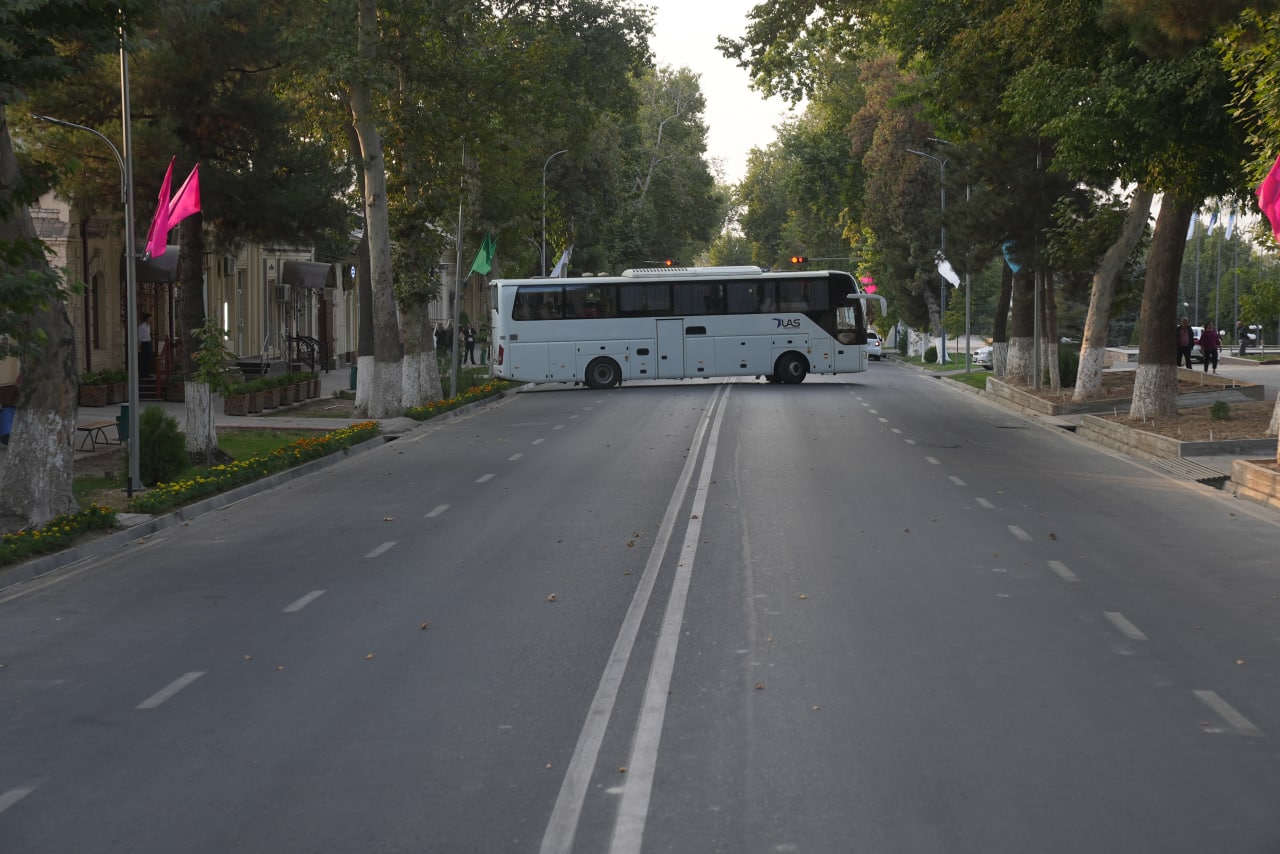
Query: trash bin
353	376
122	422
6	423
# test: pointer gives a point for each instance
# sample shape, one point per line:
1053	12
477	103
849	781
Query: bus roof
669	273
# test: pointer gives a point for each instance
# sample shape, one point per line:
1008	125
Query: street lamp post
542	263
131	269
942	309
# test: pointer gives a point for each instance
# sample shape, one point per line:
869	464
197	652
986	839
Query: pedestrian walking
145	351
1210	343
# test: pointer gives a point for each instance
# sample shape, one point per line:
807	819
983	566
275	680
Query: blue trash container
6	422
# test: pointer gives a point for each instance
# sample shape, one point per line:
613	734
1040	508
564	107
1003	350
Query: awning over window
162	269
307	274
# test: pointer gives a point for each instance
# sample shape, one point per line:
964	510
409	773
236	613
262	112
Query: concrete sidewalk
331	382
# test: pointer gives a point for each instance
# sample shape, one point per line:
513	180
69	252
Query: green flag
484	258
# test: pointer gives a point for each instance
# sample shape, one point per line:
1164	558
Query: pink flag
187	201
158	234
1269	197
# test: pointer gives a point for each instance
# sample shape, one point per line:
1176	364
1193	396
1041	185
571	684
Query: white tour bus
674	323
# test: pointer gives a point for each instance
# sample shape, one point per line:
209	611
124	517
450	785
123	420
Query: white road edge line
633	812
1224	710
299	604
1124	626
563	824
169	690
382	548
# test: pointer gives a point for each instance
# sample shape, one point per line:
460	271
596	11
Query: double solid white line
629	828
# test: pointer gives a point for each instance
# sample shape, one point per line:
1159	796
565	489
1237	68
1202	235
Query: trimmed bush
162	454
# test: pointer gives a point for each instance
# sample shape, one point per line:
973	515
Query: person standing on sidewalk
145	352
1210	343
1186	339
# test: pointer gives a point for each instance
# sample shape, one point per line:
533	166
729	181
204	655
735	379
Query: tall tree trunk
421	371
35	481
1049	340
1155	388
1021	328
385	386
1000	327
1093	347
201	434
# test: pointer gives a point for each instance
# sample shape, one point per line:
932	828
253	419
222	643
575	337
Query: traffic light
798	259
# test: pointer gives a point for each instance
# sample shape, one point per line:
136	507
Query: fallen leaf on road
369	657
551	598
423	627
802	596
759	686
388	518
248	658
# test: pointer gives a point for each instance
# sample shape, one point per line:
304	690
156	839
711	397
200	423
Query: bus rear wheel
791	368
603	373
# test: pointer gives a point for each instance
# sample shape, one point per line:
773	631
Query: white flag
948	272
562	266
1231	224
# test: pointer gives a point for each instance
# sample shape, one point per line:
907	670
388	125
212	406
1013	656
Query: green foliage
162	450
1068	365
212	358
1220	411
931	354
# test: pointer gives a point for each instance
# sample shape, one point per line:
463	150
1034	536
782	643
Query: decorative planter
313	390
270	398
1257	481
95	395
285	393
117	393
300	392
255	402
235	404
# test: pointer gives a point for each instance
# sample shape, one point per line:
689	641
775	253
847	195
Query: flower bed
471	395
58	533
166	496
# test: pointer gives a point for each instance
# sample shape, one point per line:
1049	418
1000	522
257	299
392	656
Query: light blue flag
1007	248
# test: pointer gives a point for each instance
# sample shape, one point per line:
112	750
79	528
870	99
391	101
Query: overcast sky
738	118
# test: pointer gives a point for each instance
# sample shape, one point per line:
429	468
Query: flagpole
457	285
130	249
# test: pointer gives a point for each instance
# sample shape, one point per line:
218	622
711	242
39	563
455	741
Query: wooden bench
95	432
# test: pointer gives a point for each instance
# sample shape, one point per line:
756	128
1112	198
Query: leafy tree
44	40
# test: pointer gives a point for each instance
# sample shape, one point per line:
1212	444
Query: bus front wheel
791	368
603	373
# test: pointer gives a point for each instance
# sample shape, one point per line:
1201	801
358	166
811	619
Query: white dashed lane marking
1061	569
1122	624
382	548
437	511
985	504
1224	710
485	478
957	481
1019	533
169	690
11	797
299	604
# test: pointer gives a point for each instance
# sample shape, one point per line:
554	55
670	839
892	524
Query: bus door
670	348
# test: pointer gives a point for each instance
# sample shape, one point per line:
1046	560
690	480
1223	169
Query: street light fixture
542	261
942	310
131	268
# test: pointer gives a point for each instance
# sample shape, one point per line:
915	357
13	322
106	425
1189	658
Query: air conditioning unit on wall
284	292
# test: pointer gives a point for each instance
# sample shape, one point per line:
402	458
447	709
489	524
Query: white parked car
983	359
874	350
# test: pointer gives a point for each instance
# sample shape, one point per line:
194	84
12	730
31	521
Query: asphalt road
868	615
